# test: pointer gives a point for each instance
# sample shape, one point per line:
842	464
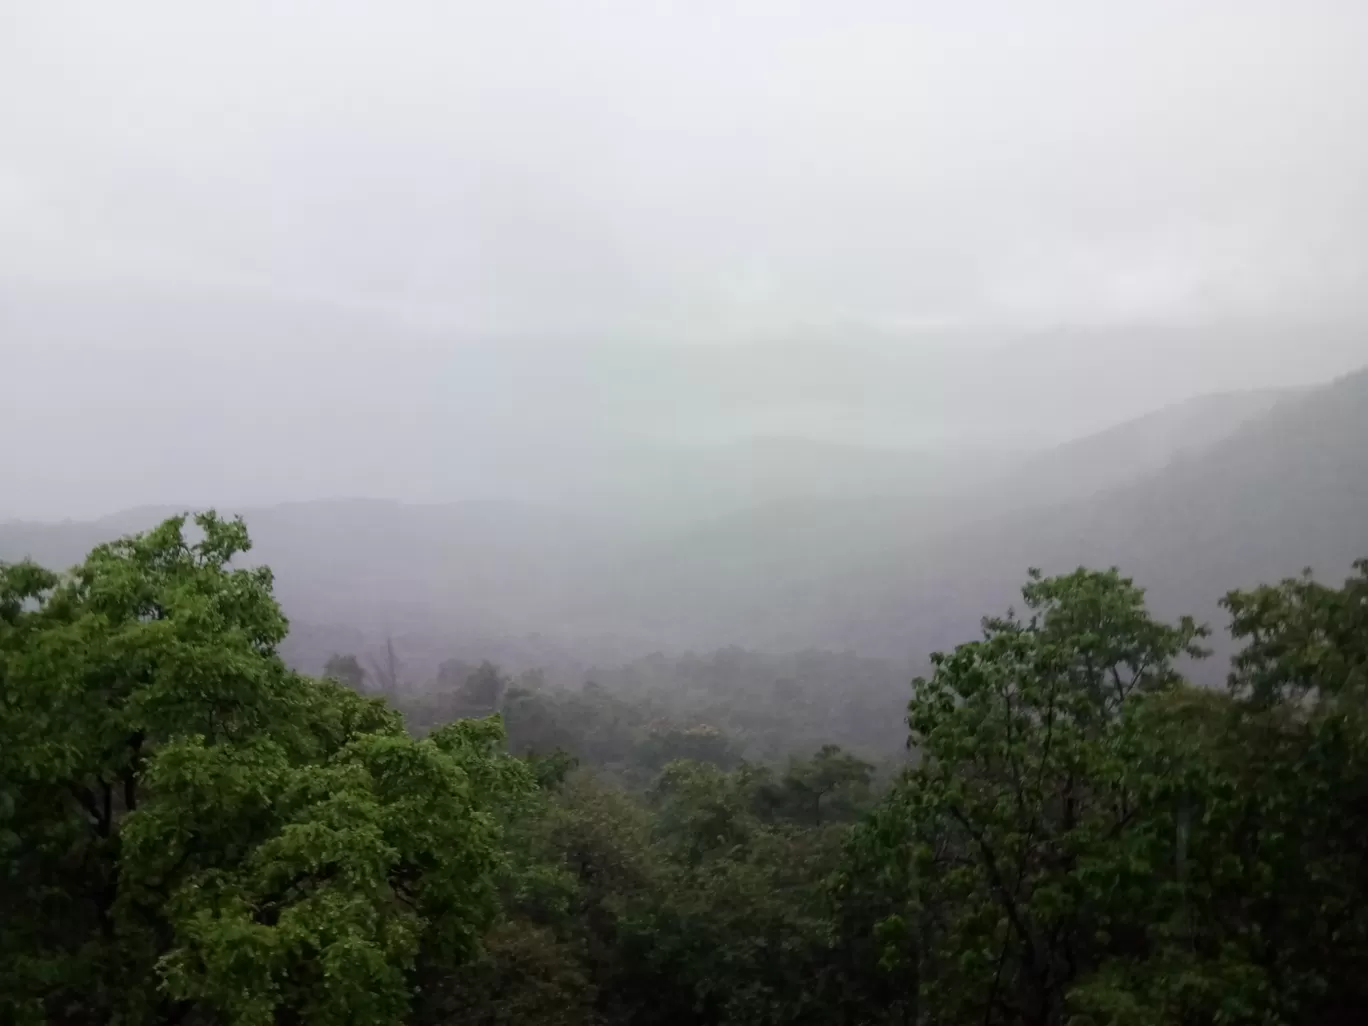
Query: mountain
800	572
1284	490
858	551
131	397
1140	446
683	485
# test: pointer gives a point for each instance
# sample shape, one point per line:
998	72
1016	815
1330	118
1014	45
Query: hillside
1287	490
1192	500
883	571
288	401
1134	448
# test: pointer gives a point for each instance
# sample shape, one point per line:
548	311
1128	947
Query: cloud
695	170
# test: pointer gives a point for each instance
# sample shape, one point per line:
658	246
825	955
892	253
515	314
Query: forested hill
1286	490
1190	500
191	833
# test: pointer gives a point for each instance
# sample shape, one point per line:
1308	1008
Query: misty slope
1192	500
1288	489
796	571
678	486
1109	458
786	500
254	403
712	489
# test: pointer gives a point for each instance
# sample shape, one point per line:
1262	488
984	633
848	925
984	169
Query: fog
279	252
683	512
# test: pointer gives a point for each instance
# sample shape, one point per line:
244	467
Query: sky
488	176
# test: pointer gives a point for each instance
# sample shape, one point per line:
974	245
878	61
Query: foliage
347	669
1261	798
1021	789
194	830
191	832
1086	838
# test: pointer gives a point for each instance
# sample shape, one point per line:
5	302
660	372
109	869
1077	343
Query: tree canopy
191	827
192	832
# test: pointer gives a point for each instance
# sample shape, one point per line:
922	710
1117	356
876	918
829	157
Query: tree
832	774
703	743
1302	681
483	689
735	931
346	669
524	976
190	832
387	673
1088	839
192	829
1020	788
1305	642
1257	893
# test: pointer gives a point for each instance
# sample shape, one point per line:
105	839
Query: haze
546	252
699	513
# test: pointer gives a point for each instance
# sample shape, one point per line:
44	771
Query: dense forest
1063	830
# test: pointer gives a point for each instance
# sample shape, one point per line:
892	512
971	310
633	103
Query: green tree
1020	787
1256	889
524	976
830	785
191	829
702	743
1305	642
346	669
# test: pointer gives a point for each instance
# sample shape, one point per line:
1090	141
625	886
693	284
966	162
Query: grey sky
648	173
695	169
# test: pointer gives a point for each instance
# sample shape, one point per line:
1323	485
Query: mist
384	253
709	175
635	513
685	325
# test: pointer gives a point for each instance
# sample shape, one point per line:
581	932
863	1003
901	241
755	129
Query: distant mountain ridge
256	403
1286	490
1191	500
1141	445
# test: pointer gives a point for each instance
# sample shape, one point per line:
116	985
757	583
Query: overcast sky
695	168
699	172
